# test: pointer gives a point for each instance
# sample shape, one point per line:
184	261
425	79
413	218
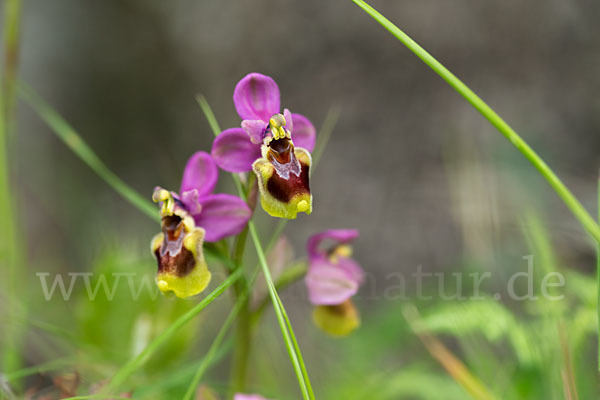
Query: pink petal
222	215
339	236
190	200
200	173
304	133
233	151
256	96
255	128
328	284
352	269
289	121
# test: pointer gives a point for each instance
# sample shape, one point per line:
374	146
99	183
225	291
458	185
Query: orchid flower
275	145
333	277
188	219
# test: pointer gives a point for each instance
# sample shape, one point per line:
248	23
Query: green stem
242	343
586	220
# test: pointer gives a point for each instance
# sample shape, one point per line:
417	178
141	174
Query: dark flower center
172	256
281	149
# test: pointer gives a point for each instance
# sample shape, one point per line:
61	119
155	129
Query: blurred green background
426	180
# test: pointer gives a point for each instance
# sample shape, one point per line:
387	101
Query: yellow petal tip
162	285
303	206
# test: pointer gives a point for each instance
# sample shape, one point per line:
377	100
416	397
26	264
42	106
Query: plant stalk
242	334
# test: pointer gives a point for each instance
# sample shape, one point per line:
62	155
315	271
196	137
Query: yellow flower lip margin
280	195
182	268
337	320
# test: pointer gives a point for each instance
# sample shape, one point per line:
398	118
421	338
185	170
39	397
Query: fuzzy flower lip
333	277
220	215
256	99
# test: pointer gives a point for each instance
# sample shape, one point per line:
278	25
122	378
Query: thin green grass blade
45	367
134	364
291	345
299	367
331	119
296	347
586	220
72	139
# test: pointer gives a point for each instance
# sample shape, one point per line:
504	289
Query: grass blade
285	325
125	371
72	139
586	220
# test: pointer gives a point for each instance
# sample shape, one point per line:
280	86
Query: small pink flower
333	277
256	99
275	145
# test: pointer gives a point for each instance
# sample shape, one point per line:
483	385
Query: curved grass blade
72	139
37	369
284	322
128	369
586	220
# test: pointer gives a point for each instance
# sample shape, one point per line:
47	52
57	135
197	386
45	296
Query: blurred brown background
422	175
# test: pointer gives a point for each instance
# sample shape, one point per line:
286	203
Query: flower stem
242	340
586	220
